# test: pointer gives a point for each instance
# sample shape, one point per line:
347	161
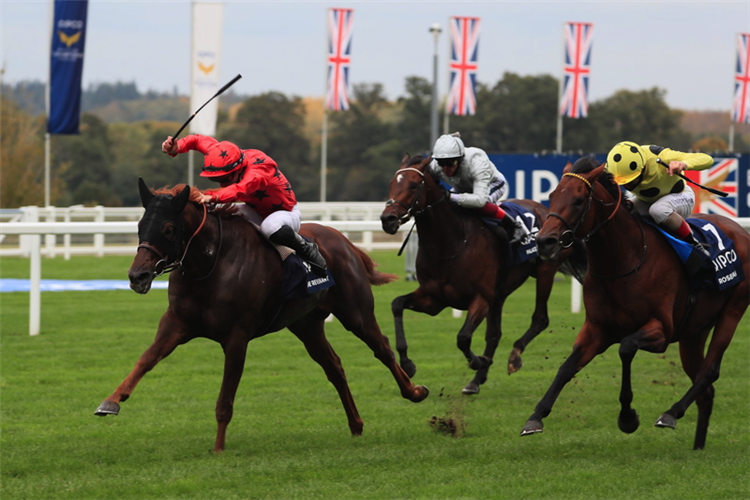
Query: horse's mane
220	210
414	160
586	164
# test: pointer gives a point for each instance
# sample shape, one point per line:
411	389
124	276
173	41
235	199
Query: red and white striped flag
339	57
575	88
741	107
464	33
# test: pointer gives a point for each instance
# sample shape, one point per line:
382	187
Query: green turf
289	437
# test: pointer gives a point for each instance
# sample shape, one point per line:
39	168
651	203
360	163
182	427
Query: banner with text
206	47
66	66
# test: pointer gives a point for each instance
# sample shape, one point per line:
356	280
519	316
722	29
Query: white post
50	240
575	296
66	238
35	296
99	238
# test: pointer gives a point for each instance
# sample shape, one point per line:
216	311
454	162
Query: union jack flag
339	57
464	33
741	107
575	88
722	176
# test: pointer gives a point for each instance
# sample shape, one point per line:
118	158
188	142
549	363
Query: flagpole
50	22
558	143
324	154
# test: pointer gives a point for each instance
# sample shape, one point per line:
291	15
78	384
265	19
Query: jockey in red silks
251	176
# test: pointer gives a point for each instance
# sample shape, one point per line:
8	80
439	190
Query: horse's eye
578	201
168	230
413	185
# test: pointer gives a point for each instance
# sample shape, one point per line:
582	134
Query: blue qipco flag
66	66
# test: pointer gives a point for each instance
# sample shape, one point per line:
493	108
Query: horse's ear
568	167
146	194
405	159
598	171
179	201
425	162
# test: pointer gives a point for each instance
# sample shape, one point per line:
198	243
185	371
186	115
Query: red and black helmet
222	159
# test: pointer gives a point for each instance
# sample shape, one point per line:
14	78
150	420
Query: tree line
122	130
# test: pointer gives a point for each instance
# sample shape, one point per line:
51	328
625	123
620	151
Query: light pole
435	30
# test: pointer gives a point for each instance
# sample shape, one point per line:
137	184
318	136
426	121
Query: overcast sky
687	48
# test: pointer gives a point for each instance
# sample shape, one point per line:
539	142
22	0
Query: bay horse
637	293
461	264
228	290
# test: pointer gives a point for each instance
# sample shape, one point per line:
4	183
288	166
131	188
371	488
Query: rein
570	232
162	266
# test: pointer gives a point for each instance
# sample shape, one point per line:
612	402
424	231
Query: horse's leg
709	370
477	312
492	337
416	301
235	351
691	354
588	344
361	322
540	318
170	334
650	338
312	335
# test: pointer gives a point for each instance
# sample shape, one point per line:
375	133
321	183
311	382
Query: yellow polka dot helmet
625	162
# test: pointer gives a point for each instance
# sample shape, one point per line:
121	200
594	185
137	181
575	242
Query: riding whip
221	90
711	190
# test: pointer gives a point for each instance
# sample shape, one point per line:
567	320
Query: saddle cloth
526	248
723	269
299	280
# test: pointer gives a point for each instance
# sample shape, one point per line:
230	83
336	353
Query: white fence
349	218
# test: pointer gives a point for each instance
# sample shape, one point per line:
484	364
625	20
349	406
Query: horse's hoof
532	427
628	423
471	389
666	420
409	367
107	408
420	394
514	361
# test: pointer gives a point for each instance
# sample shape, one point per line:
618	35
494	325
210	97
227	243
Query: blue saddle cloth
299	281
526	248
724	268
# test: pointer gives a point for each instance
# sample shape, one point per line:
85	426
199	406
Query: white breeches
274	221
681	203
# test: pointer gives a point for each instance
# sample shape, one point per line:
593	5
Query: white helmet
448	146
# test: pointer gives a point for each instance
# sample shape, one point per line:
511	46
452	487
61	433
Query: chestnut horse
461	264
637	293
228	290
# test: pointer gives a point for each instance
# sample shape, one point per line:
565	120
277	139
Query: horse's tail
373	275
576	264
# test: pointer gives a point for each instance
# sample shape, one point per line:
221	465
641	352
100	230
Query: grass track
289	438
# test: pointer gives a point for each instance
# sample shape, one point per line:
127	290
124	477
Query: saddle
526	248
722	270
299	279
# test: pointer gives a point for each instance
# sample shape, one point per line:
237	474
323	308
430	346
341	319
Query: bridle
412	210
164	266
568	236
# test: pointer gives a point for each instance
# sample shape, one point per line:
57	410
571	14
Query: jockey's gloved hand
519	232
453	197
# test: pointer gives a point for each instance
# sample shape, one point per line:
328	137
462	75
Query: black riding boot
308	251
693	241
516	232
